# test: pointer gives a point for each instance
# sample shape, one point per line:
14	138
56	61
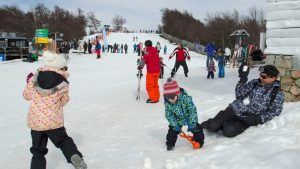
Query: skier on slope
181	55
98	47
180	111
151	59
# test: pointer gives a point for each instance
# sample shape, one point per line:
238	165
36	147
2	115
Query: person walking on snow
65	49
211	69
210	51
221	63
125	48
158	47
256	102
181	55
180	111
165	50
98	48
151	59
48	92
85	45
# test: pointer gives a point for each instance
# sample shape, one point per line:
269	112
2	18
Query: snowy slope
114	131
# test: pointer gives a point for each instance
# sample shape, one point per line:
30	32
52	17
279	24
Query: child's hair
221	51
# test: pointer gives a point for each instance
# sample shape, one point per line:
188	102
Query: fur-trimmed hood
48	80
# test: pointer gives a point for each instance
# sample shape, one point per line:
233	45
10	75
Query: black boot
170	148
171	138
215	124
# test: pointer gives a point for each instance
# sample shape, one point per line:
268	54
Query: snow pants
152	86
59	138
197	135
226	120
98	53
177	65
221	73
210	74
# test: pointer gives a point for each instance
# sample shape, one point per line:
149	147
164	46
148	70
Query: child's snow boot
78	162
169	148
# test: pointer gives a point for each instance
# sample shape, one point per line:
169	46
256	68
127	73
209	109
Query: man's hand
243	73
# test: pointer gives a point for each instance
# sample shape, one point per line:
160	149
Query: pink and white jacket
46	105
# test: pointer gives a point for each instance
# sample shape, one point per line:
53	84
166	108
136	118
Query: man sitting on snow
257	102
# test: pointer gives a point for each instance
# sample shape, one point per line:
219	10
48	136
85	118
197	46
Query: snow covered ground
114	131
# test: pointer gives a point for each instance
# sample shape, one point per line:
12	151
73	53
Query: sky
142	14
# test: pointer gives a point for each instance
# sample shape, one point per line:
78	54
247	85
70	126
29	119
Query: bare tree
93	23
118	22
258	16
59	20
11	18
41	15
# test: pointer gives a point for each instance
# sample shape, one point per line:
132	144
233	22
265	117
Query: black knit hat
148	43
269	70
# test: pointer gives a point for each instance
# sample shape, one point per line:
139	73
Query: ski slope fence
191	46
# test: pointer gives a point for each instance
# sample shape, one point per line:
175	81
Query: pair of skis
139	75
189	138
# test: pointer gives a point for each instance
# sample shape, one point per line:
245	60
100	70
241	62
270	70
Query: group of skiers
242	54
115	48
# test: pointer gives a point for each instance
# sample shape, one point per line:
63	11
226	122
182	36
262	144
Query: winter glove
141	65
243	74
252	119
177	128
192	127
189	58
29	76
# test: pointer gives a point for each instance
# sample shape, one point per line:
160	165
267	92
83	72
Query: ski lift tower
239	34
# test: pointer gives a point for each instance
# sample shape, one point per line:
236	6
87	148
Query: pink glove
29	76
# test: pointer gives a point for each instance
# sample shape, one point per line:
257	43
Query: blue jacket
259	97
98	45
183	112
210	49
